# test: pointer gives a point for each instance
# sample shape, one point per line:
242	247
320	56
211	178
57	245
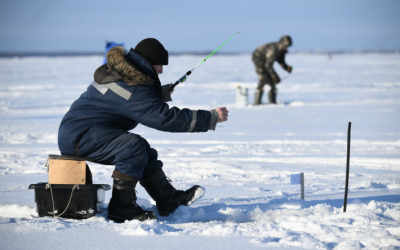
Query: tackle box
69	201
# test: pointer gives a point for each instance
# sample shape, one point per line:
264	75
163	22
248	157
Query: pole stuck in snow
296	179
347	168
183	78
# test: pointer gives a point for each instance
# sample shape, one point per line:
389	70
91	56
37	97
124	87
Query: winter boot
167	198
123	202
272	96
258	96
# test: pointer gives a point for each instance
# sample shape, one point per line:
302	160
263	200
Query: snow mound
17	211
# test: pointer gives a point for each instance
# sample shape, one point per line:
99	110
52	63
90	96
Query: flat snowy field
245	165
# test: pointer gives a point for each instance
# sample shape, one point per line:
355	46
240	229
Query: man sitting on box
127	91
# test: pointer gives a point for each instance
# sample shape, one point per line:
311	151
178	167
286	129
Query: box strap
52	199
47	164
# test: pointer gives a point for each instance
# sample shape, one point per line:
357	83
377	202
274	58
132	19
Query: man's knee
272	85
134	147
260	87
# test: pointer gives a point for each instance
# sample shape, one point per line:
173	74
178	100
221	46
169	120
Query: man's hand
289	69
276	79
222	114
172	90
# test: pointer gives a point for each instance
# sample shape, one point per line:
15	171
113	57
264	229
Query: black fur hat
153	50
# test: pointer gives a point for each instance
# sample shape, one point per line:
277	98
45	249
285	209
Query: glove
289	69
276	79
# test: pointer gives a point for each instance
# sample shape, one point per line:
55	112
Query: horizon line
5	54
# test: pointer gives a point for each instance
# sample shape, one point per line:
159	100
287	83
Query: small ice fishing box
69	201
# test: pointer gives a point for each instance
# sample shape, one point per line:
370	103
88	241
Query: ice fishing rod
183	78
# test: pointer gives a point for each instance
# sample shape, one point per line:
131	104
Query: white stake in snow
298	179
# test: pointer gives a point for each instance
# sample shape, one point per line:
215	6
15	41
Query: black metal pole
347	168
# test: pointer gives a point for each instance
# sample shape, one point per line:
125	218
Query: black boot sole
142	217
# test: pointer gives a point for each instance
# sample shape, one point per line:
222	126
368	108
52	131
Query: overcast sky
79	25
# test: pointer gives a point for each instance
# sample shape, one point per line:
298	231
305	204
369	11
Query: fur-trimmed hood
119	68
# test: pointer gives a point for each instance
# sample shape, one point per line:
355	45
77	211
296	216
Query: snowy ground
245	165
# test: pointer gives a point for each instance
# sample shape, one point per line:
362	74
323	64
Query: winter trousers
263	76
130	153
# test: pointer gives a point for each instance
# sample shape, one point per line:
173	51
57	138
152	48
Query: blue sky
55	25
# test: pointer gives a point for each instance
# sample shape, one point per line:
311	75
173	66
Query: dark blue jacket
123	95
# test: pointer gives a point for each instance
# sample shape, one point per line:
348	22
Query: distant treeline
100	53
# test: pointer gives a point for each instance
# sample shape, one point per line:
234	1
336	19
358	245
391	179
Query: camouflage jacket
267	54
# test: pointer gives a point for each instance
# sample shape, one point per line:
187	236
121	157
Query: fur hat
153	51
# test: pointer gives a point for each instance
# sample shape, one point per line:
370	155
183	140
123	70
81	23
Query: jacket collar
131	68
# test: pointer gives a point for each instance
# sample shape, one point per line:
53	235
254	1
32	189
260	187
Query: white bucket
241	96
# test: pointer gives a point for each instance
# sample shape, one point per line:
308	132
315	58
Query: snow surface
245	165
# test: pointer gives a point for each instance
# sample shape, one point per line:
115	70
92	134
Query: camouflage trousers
263	76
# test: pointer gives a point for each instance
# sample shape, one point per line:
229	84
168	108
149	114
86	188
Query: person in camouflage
263	58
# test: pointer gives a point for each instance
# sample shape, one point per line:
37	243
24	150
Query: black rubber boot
123	205
272	96
167	198
258	96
